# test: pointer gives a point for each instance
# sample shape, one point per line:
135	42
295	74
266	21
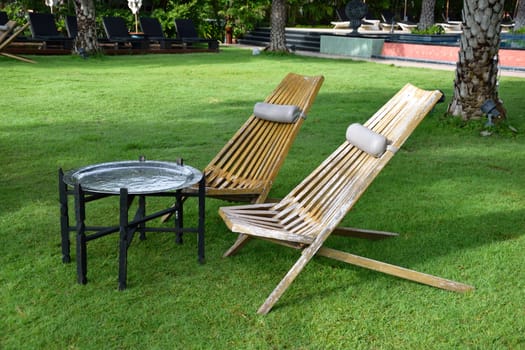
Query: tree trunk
519	19
86	40
427	14
477	67
278	26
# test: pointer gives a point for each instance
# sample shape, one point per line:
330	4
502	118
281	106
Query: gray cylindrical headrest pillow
367	140
276	113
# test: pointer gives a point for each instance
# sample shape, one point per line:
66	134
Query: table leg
64	218
80	213
123	251
200	230
141	212
179	216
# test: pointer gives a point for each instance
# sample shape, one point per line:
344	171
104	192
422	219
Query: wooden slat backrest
322	200
254	155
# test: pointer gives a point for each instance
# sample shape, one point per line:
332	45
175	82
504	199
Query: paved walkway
413	63
401	62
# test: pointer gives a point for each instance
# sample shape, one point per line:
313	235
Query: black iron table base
126	227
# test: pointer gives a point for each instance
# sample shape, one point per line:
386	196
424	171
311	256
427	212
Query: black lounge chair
187	33
43	28
72	30
117	33
153	32
3	18
341	14
71	26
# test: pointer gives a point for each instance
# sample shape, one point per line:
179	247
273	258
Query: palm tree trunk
477	67
427	14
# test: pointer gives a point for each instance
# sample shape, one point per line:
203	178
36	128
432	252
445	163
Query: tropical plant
433	30
243	16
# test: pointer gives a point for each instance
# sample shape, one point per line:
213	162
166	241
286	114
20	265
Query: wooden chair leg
16	57
239	243
362	233
166	217
306	255
394	270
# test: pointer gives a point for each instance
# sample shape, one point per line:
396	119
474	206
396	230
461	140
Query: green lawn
456	198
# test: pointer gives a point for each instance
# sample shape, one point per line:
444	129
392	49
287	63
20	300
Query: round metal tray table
128	180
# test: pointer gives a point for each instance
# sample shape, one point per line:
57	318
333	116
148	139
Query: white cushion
276	113
366	140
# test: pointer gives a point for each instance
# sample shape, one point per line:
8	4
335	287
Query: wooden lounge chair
451	27
245	168
343	22
8	34
370	24
407	27
311	212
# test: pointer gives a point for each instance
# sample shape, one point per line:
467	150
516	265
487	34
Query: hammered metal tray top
138	177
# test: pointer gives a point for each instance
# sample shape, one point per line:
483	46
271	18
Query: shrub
434	30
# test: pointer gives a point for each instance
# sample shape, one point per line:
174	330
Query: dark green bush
434	30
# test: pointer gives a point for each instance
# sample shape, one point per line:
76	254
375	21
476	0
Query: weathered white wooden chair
311	212
8	34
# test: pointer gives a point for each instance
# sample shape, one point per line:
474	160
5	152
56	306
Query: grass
457	199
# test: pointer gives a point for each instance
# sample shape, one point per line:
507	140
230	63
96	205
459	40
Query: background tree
427	14
242	15
477	67
86	40
278	26
519	19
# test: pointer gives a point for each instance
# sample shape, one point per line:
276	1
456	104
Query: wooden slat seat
312	211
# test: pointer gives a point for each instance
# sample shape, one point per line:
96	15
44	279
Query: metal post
123	251
200	230
80	213
179	223
64	218
142	213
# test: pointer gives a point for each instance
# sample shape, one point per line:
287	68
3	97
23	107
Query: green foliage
16	11
310	13
194	10
276	53
500	128
244	15
434	30
456	199
519	31
126	14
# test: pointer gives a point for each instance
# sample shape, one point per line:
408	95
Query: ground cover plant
456	198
